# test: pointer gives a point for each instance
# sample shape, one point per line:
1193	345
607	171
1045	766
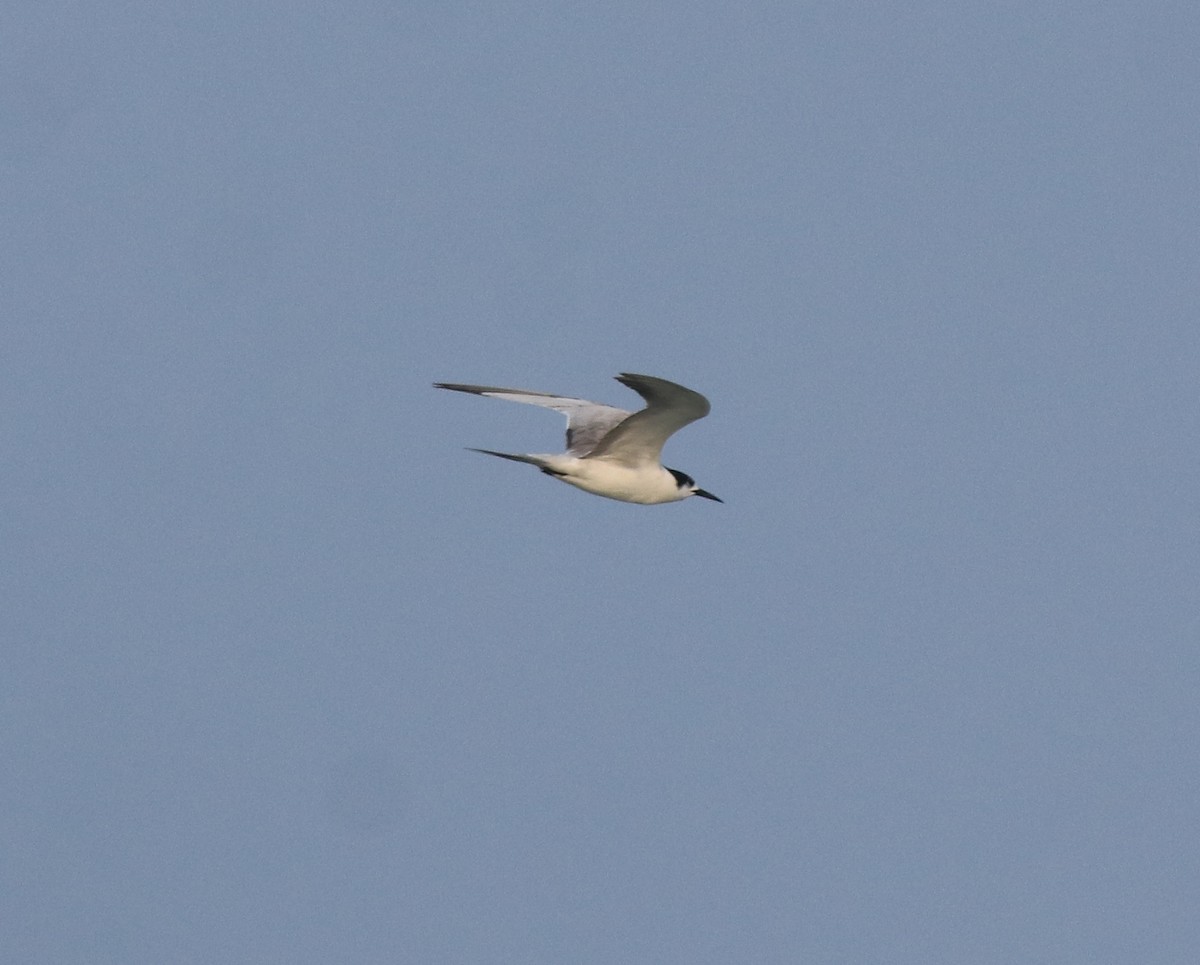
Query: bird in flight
611	452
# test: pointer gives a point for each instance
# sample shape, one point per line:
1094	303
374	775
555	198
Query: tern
611	452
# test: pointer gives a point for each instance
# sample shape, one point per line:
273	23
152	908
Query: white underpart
647	484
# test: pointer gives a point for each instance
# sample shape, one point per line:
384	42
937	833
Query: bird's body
611	452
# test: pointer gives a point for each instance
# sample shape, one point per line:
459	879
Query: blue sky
288	676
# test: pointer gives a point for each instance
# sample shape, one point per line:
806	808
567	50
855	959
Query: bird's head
688	485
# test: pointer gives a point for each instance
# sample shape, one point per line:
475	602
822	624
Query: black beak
707	495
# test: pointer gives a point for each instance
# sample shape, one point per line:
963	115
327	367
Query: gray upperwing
587	422
639	439
586	433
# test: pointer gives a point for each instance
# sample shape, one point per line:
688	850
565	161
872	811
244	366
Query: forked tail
515	457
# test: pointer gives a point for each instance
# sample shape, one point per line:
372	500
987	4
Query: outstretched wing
587	422
639	439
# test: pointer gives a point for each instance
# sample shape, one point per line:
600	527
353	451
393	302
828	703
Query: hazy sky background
289	677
